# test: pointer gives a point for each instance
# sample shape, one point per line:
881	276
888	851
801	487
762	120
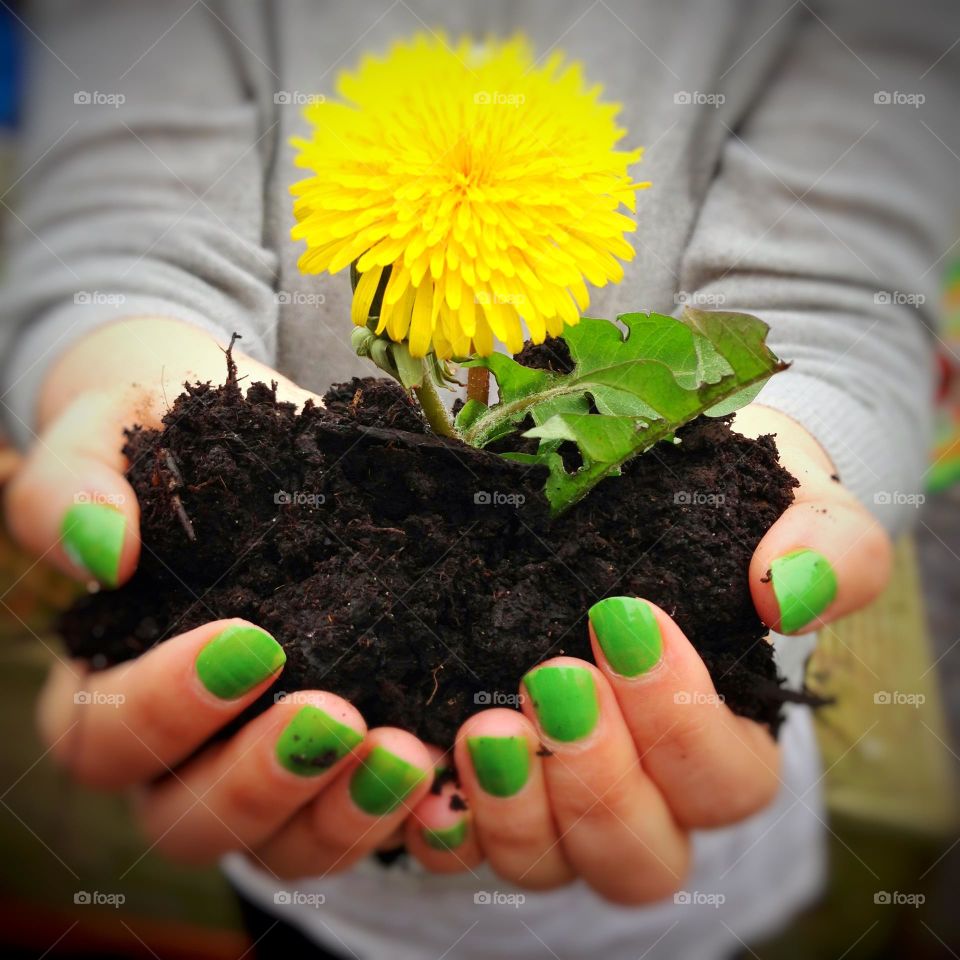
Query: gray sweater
794	176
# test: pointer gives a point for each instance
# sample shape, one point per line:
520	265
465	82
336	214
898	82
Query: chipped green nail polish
237	659
447	838
92	537
383	781
565	701
502	764
312	742
628	634
804	584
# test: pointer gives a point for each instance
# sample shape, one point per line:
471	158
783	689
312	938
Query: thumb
826	556
69	503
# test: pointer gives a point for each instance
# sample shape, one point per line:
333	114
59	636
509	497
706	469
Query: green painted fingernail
312	742
92	536
565	699
804	584
502	764
447	838
237	659
383	781
628	634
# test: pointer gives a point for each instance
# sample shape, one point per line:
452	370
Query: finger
137	720
440	831
70	502
397	838
364	804
607	809
825	556
235	796
712	766
502	772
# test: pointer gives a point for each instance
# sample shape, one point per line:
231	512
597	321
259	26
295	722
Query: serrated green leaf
626	393
514	380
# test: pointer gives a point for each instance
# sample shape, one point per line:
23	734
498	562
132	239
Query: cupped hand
305	776
609	766
602	775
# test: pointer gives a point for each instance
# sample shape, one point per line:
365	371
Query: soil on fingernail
320	762
414	575
442	777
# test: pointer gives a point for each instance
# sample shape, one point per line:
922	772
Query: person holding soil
606	794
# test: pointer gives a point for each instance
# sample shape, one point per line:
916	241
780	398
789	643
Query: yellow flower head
487	183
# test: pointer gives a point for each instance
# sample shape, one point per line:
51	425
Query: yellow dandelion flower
487	184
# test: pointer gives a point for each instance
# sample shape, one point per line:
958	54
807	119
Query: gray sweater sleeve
142	190
831	214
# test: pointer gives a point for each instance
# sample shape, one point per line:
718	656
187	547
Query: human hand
308	765
628	768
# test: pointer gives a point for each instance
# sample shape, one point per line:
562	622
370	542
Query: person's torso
683	72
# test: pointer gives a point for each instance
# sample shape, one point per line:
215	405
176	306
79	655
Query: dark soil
418	577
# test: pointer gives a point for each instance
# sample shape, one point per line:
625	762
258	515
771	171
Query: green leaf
469	413
625	393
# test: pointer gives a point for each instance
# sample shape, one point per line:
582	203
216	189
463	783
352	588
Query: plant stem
478	385
433	408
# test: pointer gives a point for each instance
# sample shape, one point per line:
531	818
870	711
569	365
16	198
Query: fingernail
383	781
446	838
313	741
804	584
92	537
565	700
237	659
628	634
502	764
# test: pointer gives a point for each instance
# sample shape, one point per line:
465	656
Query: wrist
137	361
